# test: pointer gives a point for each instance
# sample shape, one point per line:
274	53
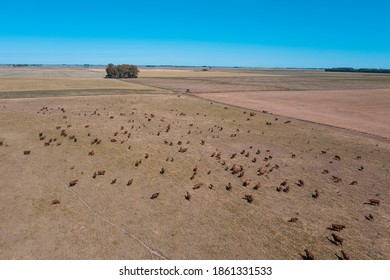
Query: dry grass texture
112	216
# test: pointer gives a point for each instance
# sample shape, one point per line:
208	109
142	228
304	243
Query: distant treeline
360	70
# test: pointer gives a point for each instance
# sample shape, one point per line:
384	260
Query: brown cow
91	153
130	182
261	171
337	239
241	174
162	171
370	217
26	152
229	187
316	194
101	172
197	186
187	196
248	198
337	227
345	255
236	169
55	201
73	183
309	255
94	175
257	186
154	196
293	220
246	182
374	201
300	183
113	181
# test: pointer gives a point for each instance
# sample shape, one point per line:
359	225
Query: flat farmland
361	110
359	102
170	190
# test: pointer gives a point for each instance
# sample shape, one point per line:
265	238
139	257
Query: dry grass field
182	148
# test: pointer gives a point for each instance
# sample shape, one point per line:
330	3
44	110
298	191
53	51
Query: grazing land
186	176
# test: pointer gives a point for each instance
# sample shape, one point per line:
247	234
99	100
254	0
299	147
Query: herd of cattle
265	167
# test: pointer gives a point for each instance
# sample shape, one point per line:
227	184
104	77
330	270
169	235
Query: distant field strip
50	83
361	110
170	73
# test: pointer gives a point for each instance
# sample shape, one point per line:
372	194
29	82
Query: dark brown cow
247	182
162	171
113	181
229	187
370	217
73	183
197	186
26	152
154	196
187	196
129	182
94	175
55	201
91	153
293	220
257	186
248	198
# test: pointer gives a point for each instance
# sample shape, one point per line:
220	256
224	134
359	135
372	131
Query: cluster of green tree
360	70
121	71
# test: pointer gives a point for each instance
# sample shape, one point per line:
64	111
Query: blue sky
252	33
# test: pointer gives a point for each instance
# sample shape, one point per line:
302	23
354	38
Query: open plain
251	164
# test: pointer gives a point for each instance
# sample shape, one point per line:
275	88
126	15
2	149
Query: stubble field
183	148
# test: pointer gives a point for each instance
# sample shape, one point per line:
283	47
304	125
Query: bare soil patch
361	110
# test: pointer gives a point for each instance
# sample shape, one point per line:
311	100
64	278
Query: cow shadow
332	241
